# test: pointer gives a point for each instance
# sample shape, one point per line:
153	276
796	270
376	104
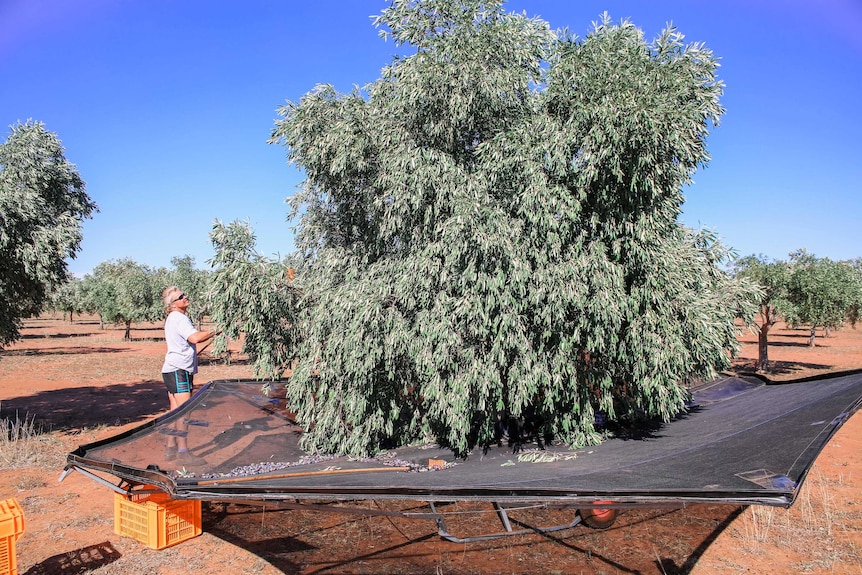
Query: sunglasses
182	296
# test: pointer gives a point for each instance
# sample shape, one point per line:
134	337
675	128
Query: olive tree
67	297
124	291
253	296
773	277
493	225
823	292
43	203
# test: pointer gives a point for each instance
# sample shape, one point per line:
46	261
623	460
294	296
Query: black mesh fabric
742	442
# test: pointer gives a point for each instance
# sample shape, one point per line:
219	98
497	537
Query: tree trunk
763	348
769	317
811	338
128	335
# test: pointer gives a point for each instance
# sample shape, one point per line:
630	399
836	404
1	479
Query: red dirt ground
83	384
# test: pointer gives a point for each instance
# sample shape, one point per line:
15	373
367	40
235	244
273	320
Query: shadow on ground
643	541
81	560
75	408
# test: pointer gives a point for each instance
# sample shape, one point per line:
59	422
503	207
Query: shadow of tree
206	359
781	367
787	367
49	351
80	407
669	566
51	319
799	334
58	335
81	560
386	544
802	344
274	550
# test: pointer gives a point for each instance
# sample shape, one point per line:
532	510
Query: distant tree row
803	291
125	292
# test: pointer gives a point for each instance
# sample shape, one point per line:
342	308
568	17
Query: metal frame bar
438	517
443	531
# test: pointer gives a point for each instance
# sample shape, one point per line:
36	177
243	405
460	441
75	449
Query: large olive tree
493	224
43	203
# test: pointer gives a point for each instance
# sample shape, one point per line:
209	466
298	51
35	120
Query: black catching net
742	442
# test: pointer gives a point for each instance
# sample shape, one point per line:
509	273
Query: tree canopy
43	203
124	291
68	298
805	290
252	295
772	277
822	291
492	225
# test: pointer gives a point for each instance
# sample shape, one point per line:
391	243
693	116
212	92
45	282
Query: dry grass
812	533
24	443
27	444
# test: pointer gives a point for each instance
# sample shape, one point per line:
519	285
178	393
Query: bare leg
178	447
177	399
176	443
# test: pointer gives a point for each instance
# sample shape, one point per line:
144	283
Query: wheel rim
602	512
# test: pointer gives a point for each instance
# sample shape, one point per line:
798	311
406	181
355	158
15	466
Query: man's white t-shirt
181	354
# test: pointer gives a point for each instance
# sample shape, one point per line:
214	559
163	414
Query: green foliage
124	292
254	297
772	278
67	297
807	290
822	291
493	224
43	203
856	306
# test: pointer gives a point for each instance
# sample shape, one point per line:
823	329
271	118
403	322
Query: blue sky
165	107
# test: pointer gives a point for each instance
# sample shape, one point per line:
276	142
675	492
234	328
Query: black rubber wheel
601	518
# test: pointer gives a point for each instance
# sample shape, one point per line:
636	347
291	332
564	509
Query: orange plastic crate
155	519
11	527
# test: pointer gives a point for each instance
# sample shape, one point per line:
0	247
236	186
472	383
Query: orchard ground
74	383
